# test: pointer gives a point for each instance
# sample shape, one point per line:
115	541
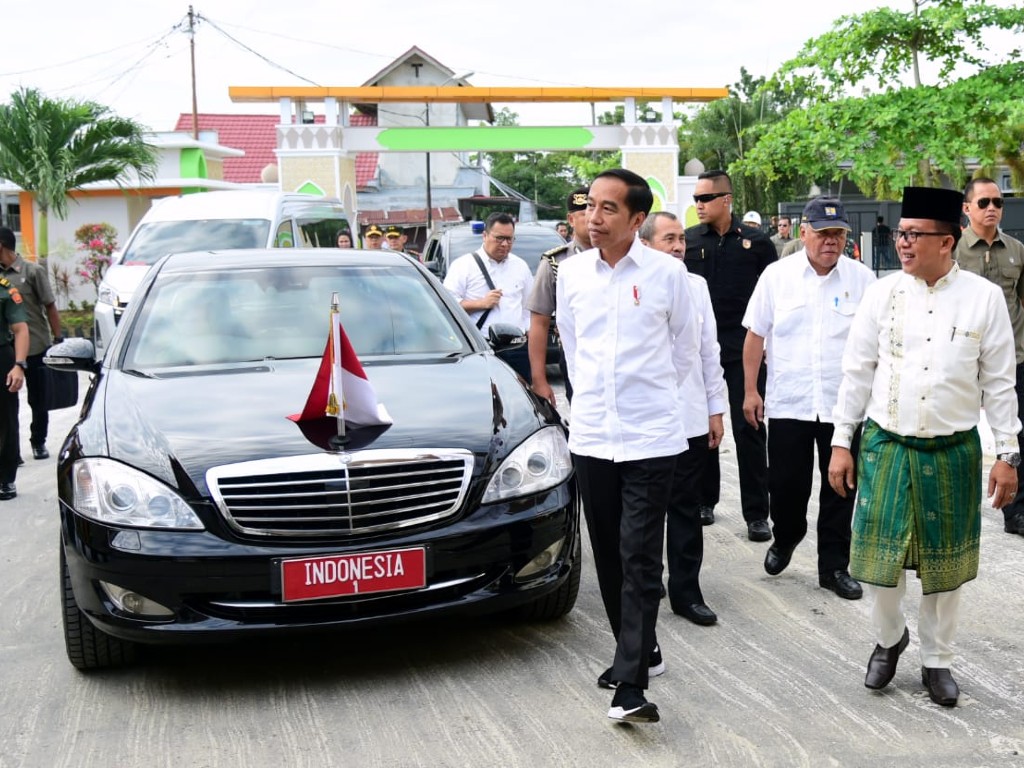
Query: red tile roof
256	135
408	217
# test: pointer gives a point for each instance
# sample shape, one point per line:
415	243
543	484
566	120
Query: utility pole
430	203
192	53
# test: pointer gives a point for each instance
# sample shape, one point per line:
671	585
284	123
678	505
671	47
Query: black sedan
193	509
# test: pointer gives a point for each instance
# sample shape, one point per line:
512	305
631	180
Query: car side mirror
503	336
72	355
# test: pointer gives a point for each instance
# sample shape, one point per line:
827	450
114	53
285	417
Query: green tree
893	134
723	132
50	147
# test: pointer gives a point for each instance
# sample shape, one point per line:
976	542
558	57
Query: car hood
178	426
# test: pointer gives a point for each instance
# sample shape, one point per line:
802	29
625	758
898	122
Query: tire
557	604
86	646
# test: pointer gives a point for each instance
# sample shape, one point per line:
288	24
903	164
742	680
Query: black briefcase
61	389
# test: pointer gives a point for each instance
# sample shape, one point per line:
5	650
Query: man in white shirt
704	402
625	316
926	346
799	316
492	285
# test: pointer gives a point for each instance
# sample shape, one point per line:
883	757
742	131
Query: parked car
532	242
193	509
212	221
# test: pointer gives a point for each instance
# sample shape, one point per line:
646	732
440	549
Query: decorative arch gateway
323	154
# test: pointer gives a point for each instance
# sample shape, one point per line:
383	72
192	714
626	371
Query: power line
69	62
254	52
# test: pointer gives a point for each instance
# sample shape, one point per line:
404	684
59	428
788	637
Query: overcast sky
133	55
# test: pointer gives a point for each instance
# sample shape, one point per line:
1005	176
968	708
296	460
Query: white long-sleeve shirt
512	275
919	360
704	393
630	340
804	319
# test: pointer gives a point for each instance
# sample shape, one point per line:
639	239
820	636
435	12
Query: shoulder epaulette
5	283
557	250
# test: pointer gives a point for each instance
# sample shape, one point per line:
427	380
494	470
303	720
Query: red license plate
313	578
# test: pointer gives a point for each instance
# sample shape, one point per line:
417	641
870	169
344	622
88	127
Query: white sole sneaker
647	713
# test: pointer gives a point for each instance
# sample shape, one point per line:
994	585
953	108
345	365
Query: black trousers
685	543
10	452
1017	505
750	452
35	382
624	504
791	444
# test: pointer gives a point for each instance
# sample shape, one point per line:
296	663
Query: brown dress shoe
942	688
882	664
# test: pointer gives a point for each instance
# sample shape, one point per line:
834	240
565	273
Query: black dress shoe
882	664
8	491
758	530
707	515
698	613
842	583
776	559
40	452
942	688
1015	524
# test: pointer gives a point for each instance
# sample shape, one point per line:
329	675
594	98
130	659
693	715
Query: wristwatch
24	366
1013	459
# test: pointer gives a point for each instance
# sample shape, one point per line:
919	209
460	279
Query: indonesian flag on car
341	389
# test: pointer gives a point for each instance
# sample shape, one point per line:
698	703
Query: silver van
212	221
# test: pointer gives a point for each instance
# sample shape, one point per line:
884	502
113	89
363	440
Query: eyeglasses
709	196
911	236
982	202
504	238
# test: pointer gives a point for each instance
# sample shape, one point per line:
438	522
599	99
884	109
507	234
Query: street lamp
430	203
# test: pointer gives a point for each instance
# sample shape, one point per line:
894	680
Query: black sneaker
655	668
1015	524
630	706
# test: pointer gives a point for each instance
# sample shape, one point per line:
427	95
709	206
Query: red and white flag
341	389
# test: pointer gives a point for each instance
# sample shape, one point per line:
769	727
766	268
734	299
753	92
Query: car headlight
540	463
115	494
106	295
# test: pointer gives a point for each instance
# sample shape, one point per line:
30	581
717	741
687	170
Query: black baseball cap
825	213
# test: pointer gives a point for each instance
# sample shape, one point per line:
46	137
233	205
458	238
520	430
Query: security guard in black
731	263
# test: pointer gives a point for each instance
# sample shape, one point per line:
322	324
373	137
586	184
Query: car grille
341	494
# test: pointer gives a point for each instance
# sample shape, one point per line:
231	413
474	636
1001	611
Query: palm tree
51	146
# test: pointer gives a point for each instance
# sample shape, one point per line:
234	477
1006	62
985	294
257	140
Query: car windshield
215	317
530	244
155	240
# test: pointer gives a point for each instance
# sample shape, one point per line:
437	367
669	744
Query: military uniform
31	281
1002	263
731	264
12	310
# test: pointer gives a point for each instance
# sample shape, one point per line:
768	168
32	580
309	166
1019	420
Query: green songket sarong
918	507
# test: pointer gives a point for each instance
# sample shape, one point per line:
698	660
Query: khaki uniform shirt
1003	264
542	296
31	281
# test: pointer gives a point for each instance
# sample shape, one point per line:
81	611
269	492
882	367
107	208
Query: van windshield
155	240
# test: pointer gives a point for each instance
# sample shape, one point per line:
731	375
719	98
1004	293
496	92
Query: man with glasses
492	285
783	235
986	250
800	313
927	346
704	401
731	257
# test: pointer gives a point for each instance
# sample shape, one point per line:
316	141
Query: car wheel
86	646
556	604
